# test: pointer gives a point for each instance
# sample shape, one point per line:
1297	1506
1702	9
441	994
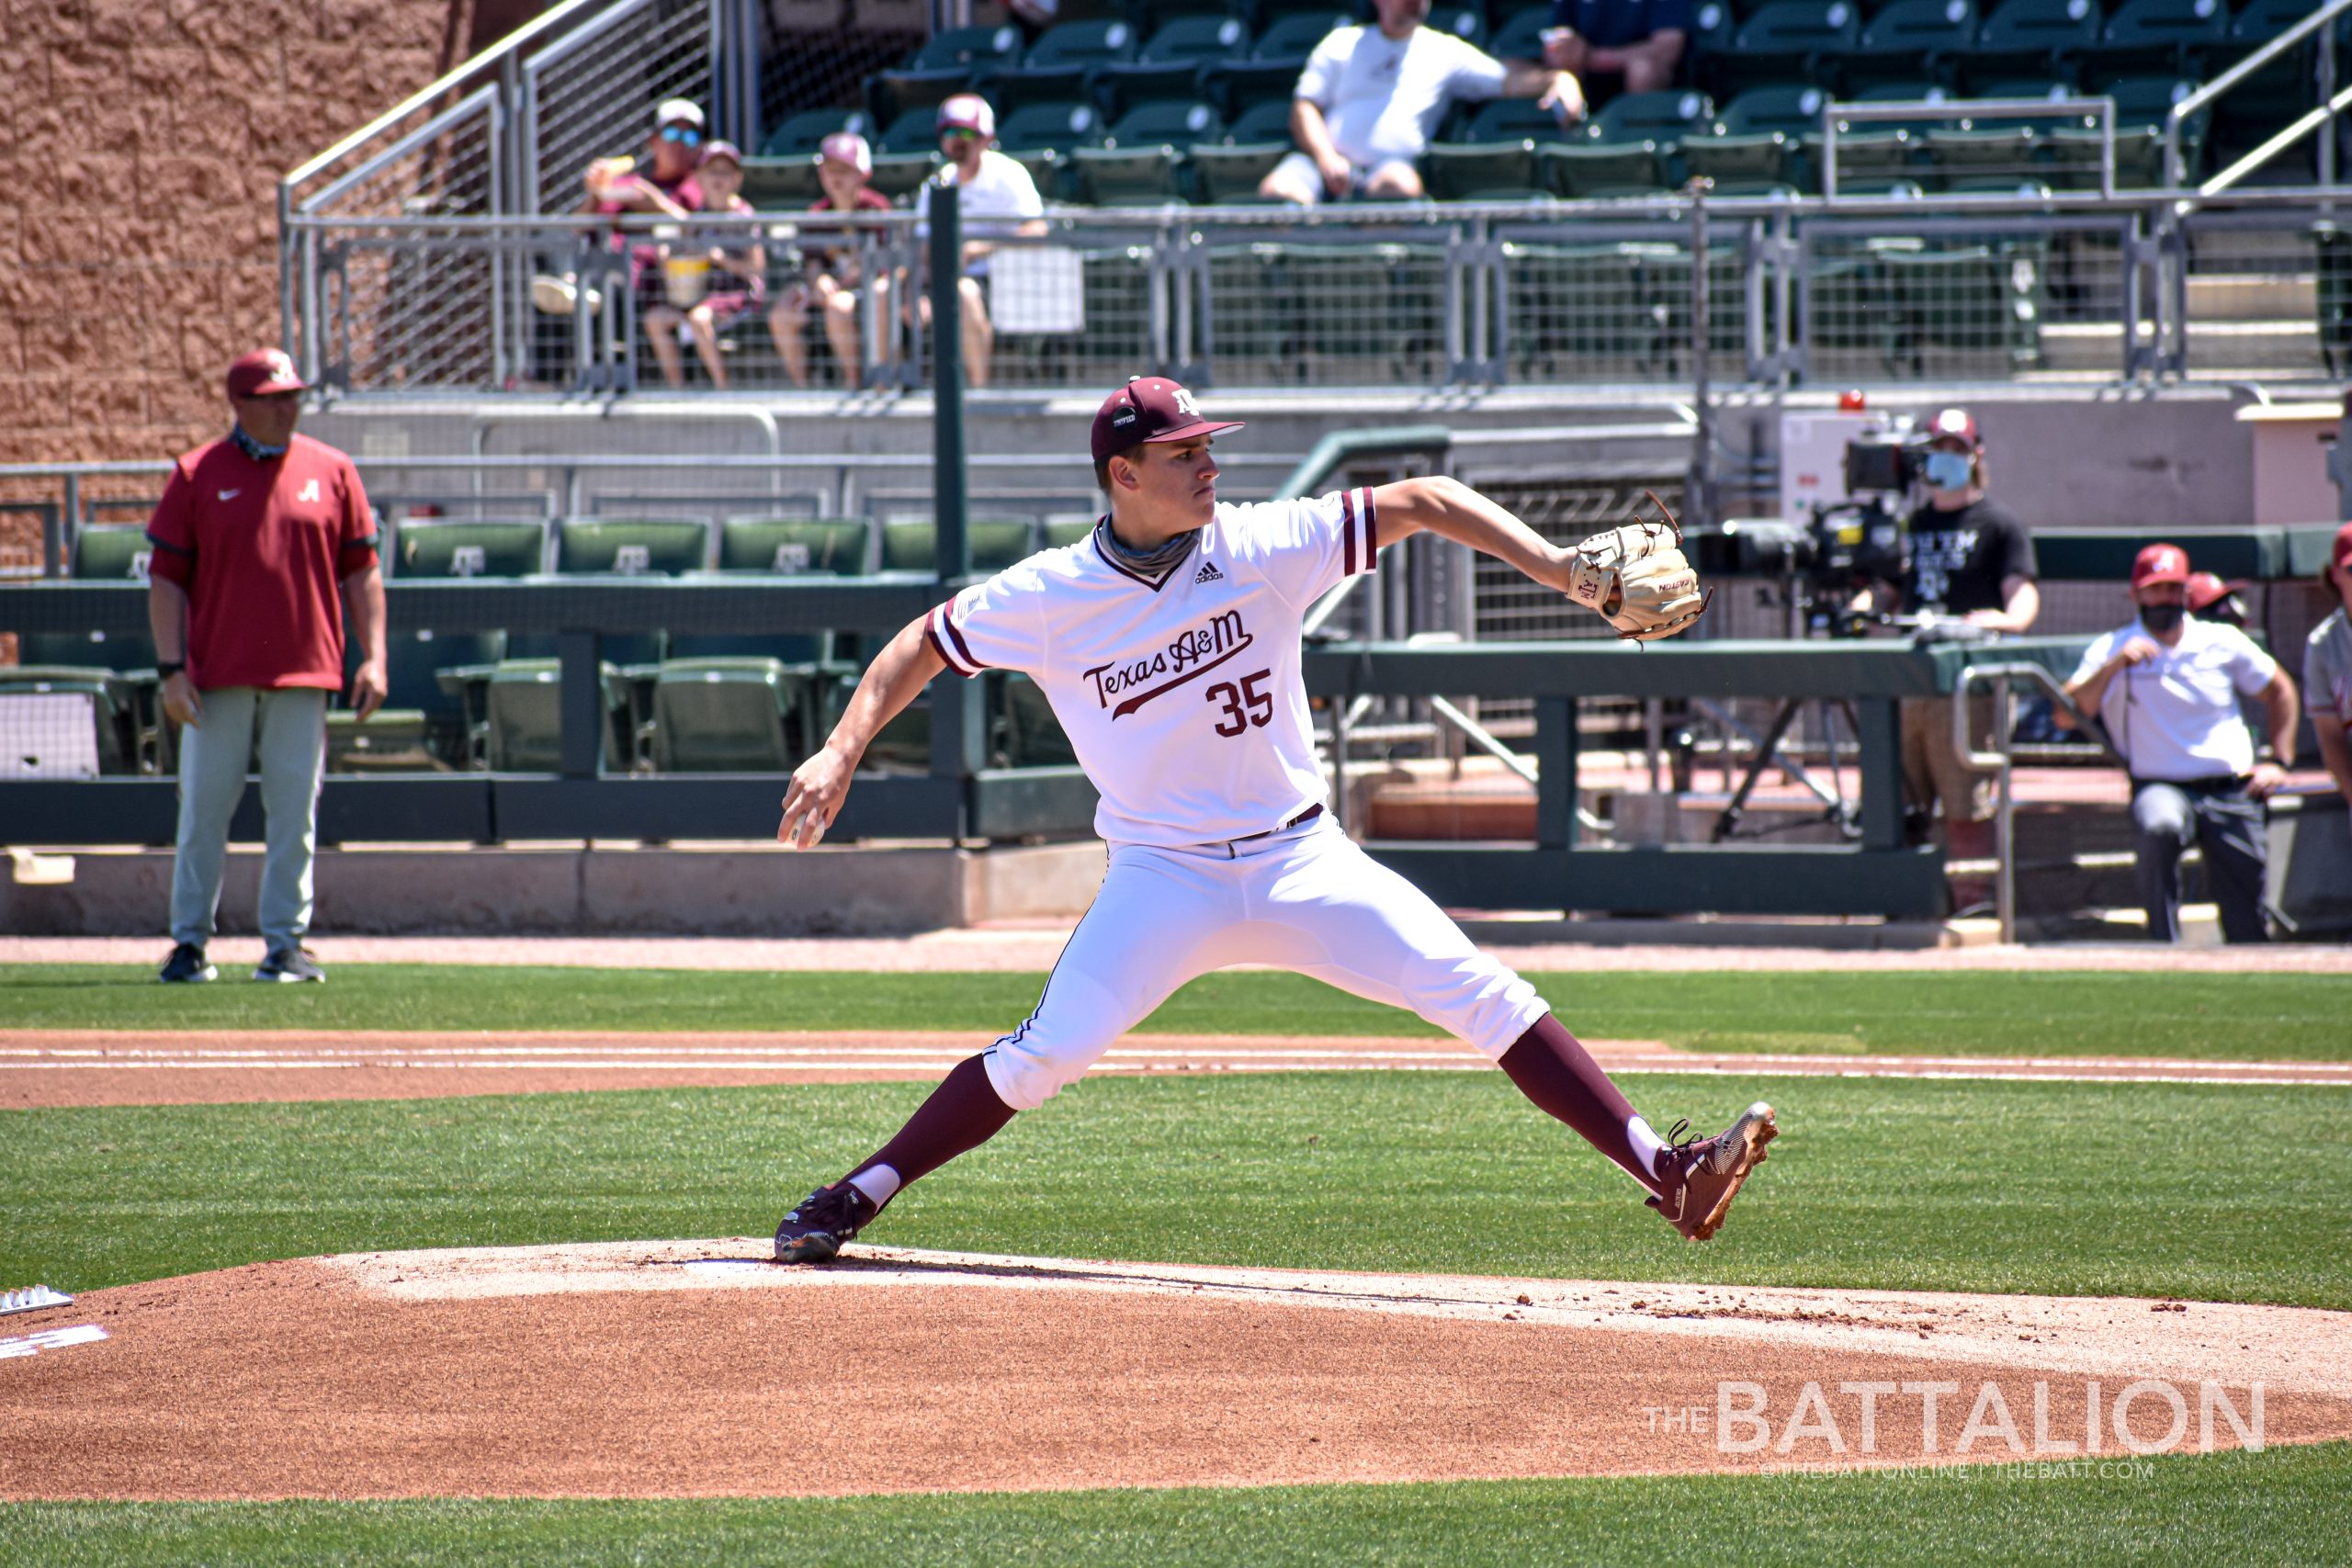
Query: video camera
1843	545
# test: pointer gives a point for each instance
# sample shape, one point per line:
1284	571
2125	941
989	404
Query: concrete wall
729	890
138	205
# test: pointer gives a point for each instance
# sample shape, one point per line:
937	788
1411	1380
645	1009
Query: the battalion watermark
2145	1416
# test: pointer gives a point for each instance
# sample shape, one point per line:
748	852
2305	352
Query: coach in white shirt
1372	97
2166	687
995	197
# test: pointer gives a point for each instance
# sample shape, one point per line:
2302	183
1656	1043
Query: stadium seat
1467	23
1229	171
631	547
995	545
111	552
1785	41
1757	137
1169	65
1510	119
1582	312
2149	37
2277	92
2029	38
1714	30
1482	171
1907	39
841	546
917	130
1365	314
1139	159
1068	532
435	546
108	706
781	185
1026	730
1060	66
522	722
425	722
800	135
1590	169
948	61
1662	117
1521	36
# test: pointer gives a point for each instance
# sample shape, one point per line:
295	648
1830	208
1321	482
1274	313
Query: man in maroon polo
263	540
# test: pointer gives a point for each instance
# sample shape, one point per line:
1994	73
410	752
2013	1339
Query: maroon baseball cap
2160	563
2206	589
1956	424
1150	409
263	372
2340	552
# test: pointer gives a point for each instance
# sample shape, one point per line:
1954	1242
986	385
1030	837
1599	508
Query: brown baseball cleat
1703	1176
821	1223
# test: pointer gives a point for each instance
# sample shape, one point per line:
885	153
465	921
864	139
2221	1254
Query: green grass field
2248	1016
2210	1191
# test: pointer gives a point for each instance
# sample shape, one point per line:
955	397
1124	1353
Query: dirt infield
44	1067
693	1369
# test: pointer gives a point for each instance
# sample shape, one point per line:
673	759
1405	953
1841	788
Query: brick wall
138	200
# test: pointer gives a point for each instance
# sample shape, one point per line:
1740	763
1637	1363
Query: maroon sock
1563	1081
962	1113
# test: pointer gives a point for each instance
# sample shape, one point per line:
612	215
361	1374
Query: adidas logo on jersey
1208	573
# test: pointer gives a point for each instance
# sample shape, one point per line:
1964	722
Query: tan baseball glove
1638	578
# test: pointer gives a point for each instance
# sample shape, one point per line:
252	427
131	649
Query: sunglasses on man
685	135
959	134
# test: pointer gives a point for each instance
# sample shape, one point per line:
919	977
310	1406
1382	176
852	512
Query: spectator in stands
997	198
263	541
836	273
714	277
2167	688
2327	667
1971	558
1639	42
1371	97
2210	599
663	183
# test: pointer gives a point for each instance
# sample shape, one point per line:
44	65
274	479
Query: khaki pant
1932	770
288	728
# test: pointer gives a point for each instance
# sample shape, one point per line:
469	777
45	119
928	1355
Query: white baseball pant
1306	899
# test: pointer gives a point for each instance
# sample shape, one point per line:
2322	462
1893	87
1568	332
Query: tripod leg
1767	749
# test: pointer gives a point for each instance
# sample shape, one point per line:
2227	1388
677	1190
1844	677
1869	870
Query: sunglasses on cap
686	135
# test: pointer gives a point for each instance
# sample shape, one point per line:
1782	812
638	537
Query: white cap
675	111
967	111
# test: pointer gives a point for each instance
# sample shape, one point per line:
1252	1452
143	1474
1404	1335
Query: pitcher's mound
682	1369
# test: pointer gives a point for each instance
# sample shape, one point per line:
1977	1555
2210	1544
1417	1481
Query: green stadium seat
1908	35
781	185
917	130
111	552
1169	65
425	724
1786	40
435	546
1758	137
522	712
1715	32
1982	299
2146	37
1521	36
1515	119
1365	313
840	546
1027	732
631	547
1585	170
111	705
948	61
1249	325
2275	94
2028	37
1580	313
1061	66
1481	171
1071	532
1467	23
1663	117
1229	170
995	545
799	135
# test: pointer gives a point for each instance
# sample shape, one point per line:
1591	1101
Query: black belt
1309	815
2211	784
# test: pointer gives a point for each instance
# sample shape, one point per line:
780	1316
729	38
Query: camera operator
1970	559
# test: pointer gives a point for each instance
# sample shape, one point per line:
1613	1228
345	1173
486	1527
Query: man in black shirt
1970	557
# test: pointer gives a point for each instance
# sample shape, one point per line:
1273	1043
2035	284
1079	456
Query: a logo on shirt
1937	556
232	494
310	492
1193	653
1208	573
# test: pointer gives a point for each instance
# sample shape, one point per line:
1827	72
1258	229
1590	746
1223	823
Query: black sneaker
821	1223
291	963
187	967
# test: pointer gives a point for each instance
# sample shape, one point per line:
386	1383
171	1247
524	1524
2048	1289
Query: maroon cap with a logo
263	372
1956	424
2160	563
1150	409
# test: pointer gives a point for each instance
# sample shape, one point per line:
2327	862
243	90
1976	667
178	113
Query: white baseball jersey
1183	698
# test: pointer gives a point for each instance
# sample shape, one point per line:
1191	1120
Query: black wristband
167	668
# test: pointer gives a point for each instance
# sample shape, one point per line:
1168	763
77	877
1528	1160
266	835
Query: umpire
263	539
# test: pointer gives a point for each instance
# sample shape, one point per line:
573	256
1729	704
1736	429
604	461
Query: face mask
2162	618
1949	470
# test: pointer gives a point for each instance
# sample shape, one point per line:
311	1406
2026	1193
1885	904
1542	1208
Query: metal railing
1997	761
1836	118
2320	22
2070	285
